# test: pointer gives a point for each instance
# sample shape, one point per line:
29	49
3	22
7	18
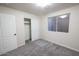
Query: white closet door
27	31
7	30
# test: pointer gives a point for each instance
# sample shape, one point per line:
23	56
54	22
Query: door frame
28	19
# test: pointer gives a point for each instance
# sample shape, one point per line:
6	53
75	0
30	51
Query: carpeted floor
41	48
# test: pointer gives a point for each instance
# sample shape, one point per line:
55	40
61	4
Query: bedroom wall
19	16
69	40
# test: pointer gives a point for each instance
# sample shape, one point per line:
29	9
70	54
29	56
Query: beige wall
19	16
69	40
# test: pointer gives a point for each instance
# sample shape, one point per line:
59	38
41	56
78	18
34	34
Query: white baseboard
64	46
21	44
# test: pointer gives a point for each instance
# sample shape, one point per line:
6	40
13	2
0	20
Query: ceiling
32	8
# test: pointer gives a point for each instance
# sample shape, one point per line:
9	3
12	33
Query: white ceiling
32	8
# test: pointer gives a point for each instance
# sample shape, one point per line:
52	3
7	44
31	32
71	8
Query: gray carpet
41	48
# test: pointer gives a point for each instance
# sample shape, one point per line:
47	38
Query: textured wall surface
19	16
71	39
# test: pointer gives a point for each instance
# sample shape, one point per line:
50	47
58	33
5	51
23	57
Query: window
52	24
59	23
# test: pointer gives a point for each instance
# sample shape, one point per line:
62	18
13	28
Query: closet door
7	33
27	32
